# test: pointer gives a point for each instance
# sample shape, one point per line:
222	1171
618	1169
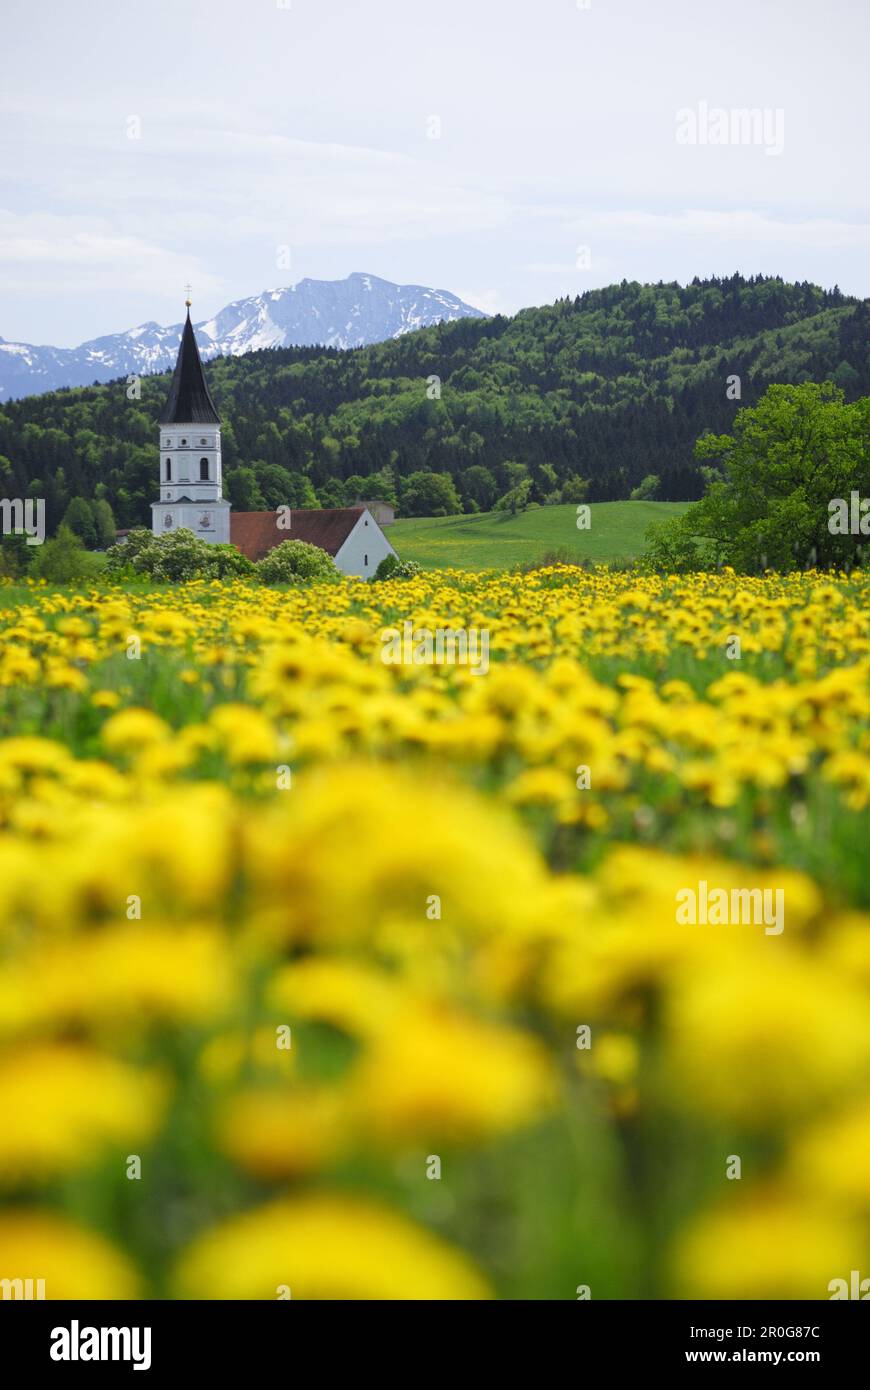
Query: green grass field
498	540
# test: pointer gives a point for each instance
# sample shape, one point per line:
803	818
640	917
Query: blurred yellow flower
765	1038
133	728
282	1133
834	1156
325	1246
771	1246
439	1074
73	1262
63	1103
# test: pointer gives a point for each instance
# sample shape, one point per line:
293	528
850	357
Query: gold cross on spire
187	300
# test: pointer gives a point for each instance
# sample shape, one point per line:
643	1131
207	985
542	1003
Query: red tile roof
255	533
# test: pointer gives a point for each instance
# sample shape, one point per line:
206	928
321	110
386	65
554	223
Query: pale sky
301	129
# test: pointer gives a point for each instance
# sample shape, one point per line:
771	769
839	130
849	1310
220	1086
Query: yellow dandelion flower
31	755
771	1246
282	1133
105	699
325	1247
134	728
349	994
62	1104
766	1036
72	1262
832	1157
247	734
437	1073
133	972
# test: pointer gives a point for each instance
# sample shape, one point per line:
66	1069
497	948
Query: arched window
184	442
365	561
203	470
168	470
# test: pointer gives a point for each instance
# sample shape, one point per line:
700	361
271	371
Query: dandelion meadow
323	976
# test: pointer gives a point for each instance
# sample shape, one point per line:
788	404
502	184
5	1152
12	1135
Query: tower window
184	441
365	560
203	441
203	470
168	469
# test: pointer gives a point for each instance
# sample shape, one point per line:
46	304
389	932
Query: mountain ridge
358	311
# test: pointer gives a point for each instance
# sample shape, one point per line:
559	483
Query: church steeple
191	494
189	400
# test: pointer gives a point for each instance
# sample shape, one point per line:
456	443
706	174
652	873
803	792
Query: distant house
383	512
351	535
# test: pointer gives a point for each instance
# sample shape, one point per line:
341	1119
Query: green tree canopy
430	494
776	485
646	489
104	523
79	517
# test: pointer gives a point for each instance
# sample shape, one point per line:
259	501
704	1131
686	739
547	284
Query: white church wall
364	549
210	520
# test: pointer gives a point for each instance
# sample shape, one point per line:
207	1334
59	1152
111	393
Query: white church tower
190	452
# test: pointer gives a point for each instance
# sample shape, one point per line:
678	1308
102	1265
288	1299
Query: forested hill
611	386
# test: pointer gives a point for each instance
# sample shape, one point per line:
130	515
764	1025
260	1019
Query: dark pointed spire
189	401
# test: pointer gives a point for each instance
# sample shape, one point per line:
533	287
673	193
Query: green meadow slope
498	540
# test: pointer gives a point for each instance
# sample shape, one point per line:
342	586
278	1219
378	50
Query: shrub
178	556
646	490
574	489
561	556
295	562
63	560
229	562
391	567
516	499
15	556
674	547
175	557
120	557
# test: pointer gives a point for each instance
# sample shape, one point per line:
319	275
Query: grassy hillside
499	540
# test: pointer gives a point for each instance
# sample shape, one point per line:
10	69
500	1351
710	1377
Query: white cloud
306	128
69	253
721	225
258	185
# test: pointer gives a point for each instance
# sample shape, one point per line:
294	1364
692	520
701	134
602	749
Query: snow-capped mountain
346	313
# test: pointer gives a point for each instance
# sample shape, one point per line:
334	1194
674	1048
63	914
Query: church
191	485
